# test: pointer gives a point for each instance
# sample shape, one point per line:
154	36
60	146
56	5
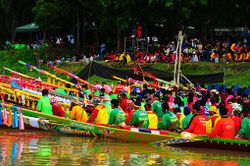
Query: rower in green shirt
139	119
188	116
43	104
245	127
107	104
169	119
85	90
157	107
117	116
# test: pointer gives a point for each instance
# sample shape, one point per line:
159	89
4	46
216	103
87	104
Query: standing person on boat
187	118
117	116
157	107
224	127
43	104
77	112
56	108
139	119
152	117
99	115
197	123
245	126
169	119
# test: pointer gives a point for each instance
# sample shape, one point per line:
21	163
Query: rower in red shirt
197	123
56	108
224	127
130	113
119	87
126	103
237	120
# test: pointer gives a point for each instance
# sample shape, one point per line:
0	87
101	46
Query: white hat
214	91
106	98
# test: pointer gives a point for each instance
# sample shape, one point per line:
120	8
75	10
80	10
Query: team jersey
139	117
215	119
108	106
78	114
44	105
186	121
223	129
126	105
113	96
57	110
169	121
100	115
153	120
245	128
129	116
237	122
197	125
118	88
157	109
180	117
117	117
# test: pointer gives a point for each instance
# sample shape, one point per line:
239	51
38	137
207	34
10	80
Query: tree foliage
110	20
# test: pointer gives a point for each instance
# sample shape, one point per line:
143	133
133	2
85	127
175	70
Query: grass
235	73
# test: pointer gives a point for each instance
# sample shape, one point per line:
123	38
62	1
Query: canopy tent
32	27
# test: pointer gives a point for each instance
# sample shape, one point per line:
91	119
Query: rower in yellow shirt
78	113
100	114
152	117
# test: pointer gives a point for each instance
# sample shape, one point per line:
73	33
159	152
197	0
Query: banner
94	68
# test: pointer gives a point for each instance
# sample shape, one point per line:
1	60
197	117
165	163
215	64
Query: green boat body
72	127
104	131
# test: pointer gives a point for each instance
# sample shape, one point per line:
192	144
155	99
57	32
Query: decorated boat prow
208	143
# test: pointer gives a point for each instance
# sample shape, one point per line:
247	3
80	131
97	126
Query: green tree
46	14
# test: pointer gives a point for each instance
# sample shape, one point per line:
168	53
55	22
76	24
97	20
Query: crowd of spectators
193	51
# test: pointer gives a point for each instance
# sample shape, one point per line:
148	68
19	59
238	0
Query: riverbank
235	73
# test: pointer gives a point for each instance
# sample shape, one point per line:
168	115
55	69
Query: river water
43	148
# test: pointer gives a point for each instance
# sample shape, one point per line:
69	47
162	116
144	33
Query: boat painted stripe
134	129
157	132
144	130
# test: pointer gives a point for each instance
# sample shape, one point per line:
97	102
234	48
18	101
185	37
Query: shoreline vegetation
235	73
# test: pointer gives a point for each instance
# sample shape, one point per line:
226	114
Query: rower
117	116
56	108
152	117
197	123
100	114
43	104
245	125
224	127
139	119
78	113
169	119
157	106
